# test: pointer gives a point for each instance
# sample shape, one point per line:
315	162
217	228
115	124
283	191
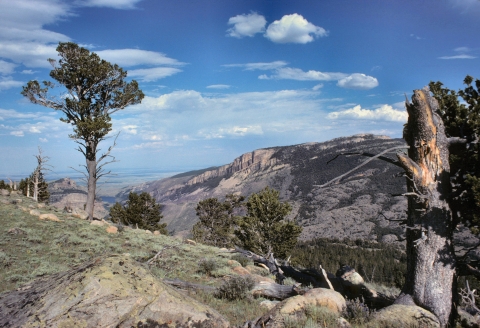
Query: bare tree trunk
91	185
35	184
430	278
28	187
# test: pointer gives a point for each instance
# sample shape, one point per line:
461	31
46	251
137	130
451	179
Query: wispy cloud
135	57
349	81
6	67
8	83
117	4
293	29
246	25
259	66
461	53
218	86
153	74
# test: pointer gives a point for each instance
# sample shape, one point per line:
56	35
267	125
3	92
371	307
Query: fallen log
263	288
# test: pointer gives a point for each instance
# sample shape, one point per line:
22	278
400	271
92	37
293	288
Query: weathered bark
91	161
263	288
431	263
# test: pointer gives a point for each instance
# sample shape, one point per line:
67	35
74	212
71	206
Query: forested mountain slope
357	207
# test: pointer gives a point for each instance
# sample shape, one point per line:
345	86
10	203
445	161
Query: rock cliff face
361	206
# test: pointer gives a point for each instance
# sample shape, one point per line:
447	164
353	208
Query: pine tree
265	228
140	210
217	221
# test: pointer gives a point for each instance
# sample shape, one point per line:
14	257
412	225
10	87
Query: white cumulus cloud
246	25
358	81
293	29
17	133
6	67
383	113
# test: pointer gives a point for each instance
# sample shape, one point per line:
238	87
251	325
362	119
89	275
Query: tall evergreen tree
265	227
95	90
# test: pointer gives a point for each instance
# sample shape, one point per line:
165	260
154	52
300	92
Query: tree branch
337	179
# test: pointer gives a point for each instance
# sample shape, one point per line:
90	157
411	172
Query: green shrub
235	288
357	312
207	266
140	210
244	261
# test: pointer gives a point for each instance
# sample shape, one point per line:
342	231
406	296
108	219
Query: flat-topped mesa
251	161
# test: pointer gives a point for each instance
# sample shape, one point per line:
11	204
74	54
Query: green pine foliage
375	262
265	227
140	210
460	112
4	185
43	193
217	221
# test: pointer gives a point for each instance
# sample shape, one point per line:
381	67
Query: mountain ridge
362	206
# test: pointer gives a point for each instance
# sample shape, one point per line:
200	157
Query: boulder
148	232
156	232
114	291
468	320
4	192
34	212
389	239
41	205
240	270
79	213
322	297
97	223
398	315
111	229
49	217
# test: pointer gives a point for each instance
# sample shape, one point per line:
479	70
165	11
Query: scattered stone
16	231
31	206
112	229
241	271
49	217
105	292
14	192
34	212
97	223
406	316
327	298
4	201
389	239
148	232
269	304
79	213
467	320
4	192
190	242
156	232
41	205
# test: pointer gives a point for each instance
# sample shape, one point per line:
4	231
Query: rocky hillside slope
361	206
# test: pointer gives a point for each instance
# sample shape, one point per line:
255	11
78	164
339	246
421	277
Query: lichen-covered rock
106	292
399	315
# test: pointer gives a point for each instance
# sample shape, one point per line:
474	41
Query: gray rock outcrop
106	292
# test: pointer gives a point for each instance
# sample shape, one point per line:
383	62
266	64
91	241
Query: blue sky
222	78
